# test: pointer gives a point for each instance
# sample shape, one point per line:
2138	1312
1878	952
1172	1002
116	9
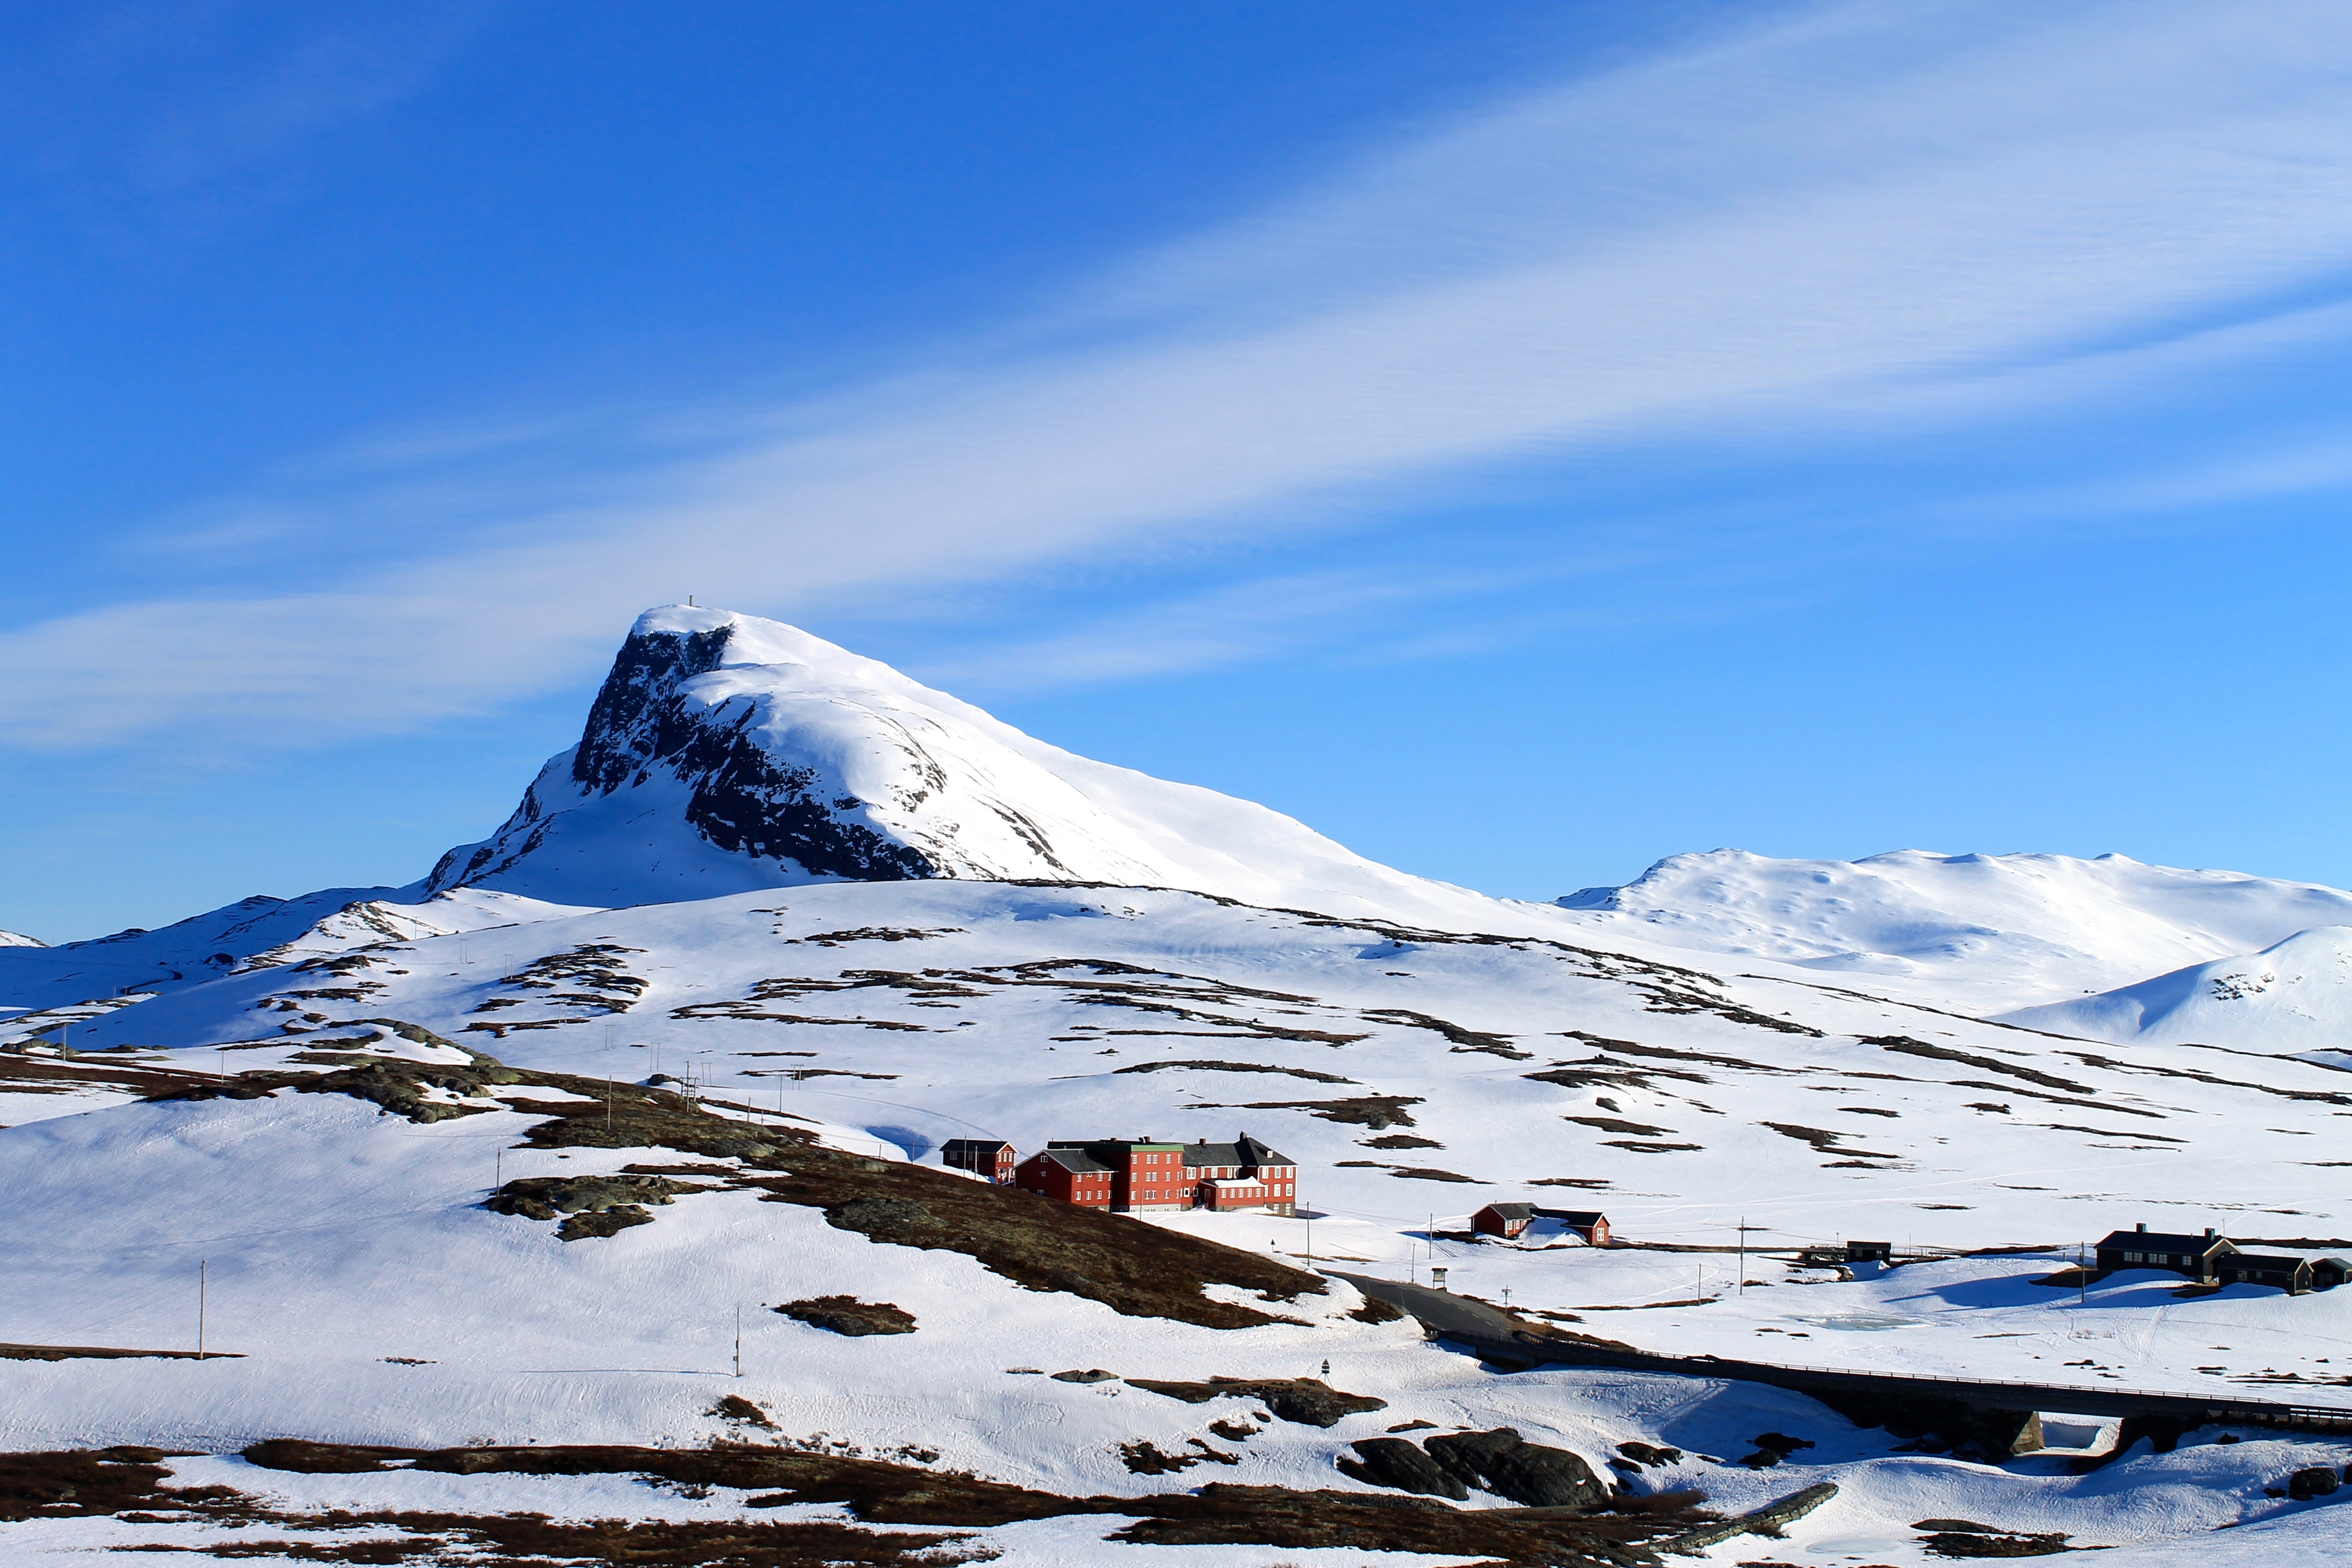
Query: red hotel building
1145	1173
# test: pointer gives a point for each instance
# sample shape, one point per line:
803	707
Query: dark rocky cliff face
739	797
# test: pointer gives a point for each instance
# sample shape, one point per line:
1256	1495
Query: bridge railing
2239	1407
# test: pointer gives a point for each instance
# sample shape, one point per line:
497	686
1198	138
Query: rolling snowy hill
1413	1073
2295	995
1997	931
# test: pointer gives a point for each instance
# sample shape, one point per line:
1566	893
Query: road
1506	1340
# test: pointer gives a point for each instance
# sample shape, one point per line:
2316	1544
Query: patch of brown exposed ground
877	1492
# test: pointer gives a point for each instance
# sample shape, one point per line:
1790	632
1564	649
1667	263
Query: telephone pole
1744	1229
738	1338
201	1265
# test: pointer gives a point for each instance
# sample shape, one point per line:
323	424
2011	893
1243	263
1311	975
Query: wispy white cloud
1916	212
208	102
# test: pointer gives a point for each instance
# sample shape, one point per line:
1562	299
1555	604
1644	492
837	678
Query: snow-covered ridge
728	754
2024	926
2294	995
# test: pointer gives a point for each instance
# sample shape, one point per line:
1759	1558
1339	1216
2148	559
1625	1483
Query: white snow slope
728	753
1414	1073
2295	995
1993	930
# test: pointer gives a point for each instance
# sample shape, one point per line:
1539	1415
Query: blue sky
1521	440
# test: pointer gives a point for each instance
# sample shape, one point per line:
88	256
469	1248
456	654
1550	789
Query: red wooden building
1067	1172
1150	1174
1591	1225
1505	1220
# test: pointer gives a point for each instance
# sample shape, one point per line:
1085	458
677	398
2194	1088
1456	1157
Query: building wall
1039	1174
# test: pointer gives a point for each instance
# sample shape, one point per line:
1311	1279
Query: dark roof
973	1145
2162	1241
1072	1159
2264	1261
1244	1151
1584	1219
1510	1211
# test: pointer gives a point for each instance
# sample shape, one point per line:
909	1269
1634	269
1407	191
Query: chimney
2210	1233
2141	1228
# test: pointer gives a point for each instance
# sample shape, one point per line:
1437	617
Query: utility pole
201	1265
1309	1216
2081	1277
497	1169
608	1105
224	1061
738	1338
1744	1229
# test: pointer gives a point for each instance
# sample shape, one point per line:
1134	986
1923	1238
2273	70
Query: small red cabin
1590	1224
1505	1220
989	1157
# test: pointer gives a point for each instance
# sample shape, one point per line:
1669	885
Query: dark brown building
2292	1274
2194	1256
989	1157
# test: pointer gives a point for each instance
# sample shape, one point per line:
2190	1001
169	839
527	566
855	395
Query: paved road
1510	1341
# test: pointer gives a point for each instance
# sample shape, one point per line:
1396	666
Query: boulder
848	1315
1307	1401
1503	1463
2318	1481
1396	1463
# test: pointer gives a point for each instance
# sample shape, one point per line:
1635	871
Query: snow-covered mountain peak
2013	922
727	753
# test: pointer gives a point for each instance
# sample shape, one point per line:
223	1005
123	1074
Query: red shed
1590	1224
1505	1220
